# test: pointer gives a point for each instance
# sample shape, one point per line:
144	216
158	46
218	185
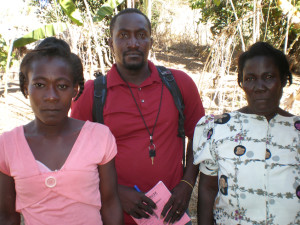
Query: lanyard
152	148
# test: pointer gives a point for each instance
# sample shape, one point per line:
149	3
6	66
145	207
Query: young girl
51	168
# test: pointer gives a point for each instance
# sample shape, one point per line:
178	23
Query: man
141	113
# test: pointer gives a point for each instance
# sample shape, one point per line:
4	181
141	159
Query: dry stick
221	91
254	21
258	10
116	8
220	84
291	45
99	52
90	58
7	68
213	61
235	86
55	11
266	27
208	59
129	4
228	57
147	7
240	29
287	32
283	37
106	57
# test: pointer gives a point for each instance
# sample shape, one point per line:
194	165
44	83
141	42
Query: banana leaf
106	9
217	2
72	12
48	30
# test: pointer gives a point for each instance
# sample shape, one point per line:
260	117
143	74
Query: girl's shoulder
11	134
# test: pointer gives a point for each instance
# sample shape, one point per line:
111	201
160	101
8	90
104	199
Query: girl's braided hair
52	47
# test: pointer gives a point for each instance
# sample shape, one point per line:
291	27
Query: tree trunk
129	5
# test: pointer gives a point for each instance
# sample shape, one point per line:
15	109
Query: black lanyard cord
152	147
150	133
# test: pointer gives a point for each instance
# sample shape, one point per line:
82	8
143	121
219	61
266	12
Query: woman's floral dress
257	164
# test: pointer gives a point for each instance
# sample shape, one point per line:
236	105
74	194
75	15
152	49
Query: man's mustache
129	52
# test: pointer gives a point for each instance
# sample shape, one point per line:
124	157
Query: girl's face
262	85
50	88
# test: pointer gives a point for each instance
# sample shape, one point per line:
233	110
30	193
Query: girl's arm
207	191
111	210
8	214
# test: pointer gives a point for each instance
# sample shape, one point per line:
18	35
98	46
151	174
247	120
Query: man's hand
135	203
178	203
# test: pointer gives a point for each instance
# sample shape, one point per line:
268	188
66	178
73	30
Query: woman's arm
111	210
8	214
207	191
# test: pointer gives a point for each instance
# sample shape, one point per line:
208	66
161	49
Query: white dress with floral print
257	164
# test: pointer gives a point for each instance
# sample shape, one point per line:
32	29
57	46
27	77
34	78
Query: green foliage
40	33
106	9
220	12
94	5
4	48
273	23
72	12
217	2
3	53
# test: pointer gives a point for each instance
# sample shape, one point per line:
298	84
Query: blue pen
138	190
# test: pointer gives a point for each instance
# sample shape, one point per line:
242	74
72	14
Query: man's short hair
127	11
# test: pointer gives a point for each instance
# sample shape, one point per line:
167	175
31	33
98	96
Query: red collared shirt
121	115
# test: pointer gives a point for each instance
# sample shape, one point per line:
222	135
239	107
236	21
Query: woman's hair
265	49
52	47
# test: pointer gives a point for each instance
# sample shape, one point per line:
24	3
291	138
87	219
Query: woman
249	158
51	167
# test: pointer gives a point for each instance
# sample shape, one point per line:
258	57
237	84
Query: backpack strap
100	91
169	81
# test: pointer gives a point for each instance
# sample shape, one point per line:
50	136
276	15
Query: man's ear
151	42
110	43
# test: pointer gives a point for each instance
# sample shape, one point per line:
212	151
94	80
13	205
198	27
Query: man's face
131	41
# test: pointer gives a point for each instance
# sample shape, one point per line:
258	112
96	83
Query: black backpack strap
100	91
169	81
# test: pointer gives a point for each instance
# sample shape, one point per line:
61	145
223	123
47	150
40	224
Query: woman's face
262	86
50	88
